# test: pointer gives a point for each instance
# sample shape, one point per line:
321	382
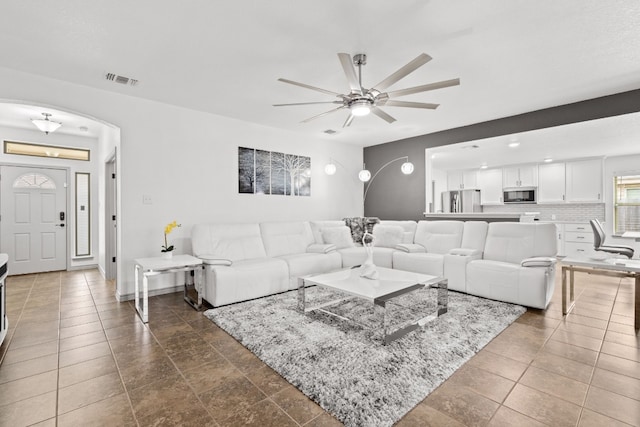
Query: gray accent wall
401	197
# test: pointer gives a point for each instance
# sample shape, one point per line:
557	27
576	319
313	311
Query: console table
614	267
148	267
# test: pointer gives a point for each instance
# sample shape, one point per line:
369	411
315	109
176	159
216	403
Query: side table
148	267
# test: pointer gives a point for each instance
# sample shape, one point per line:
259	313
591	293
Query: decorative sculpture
368	269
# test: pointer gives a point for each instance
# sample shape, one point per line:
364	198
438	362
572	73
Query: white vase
167	255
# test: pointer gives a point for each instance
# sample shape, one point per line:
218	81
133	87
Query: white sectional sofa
512	262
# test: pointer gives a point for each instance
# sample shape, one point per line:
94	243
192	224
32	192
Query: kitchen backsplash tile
579	212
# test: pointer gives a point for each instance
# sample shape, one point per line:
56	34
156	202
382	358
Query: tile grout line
113	356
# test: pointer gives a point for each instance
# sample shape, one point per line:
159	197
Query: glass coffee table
382	293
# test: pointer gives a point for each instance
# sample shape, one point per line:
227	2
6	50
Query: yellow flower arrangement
167	230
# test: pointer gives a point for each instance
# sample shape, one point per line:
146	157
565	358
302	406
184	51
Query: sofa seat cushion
382	257
417	262
510	282
310	263
245	279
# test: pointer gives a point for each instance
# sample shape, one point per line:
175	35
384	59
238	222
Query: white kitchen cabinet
462	180
578	240
584	181
520	176
551	183
560	239
490	185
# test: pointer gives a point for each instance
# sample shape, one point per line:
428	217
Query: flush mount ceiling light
361	101
548	160
46	125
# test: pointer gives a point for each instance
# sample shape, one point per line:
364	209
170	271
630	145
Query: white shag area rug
342	365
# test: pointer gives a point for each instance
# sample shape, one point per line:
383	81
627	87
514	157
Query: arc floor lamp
365	176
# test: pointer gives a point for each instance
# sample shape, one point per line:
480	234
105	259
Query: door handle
60	225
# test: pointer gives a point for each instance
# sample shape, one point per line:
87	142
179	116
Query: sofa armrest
214	260
321	248
410	247
465	252
541	261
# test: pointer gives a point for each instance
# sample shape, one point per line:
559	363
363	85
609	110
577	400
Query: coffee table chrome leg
380	309
194	303
443	297
637	303
567	304
301	295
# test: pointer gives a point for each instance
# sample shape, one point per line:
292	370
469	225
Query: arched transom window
34	180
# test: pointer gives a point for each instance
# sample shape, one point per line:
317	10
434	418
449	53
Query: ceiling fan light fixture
46	125
360	107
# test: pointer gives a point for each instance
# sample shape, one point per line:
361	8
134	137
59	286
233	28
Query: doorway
111	228
33	209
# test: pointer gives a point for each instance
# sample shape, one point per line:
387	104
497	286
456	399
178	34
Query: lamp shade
407	168
330	169
46	125
364	175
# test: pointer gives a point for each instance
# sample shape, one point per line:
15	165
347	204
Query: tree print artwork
270	172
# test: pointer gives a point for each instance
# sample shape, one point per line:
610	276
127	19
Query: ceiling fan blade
291	82
350	72
393	103
424	88
308	103
348	121
420	60
322	114
378	112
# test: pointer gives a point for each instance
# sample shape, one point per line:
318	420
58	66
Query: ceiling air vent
121	79
330	131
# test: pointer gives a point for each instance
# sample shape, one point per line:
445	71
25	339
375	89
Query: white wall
73	166
186	161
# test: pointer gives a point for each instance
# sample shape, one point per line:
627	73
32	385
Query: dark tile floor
75	356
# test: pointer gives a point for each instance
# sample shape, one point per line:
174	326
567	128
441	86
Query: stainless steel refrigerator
461	201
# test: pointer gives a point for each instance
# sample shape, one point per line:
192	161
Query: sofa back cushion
515	241
408	229
318	226
439	237
338	236
286	238
474	235
387	236
234	242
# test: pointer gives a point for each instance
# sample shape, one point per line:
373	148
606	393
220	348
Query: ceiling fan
361	101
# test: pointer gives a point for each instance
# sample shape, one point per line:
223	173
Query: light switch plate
146	199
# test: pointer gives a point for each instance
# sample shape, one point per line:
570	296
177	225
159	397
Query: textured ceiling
225	57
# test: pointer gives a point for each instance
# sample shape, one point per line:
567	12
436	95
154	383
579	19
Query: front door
33	205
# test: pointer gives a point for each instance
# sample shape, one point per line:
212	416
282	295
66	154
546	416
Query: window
626	206
83	215
51	151
34	180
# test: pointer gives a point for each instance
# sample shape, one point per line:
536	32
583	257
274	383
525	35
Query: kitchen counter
474	216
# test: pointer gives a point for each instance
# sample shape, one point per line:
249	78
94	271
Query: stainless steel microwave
520	195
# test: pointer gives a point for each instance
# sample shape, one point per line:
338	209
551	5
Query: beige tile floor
75	356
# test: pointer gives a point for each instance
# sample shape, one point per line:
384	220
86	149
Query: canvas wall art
270	172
